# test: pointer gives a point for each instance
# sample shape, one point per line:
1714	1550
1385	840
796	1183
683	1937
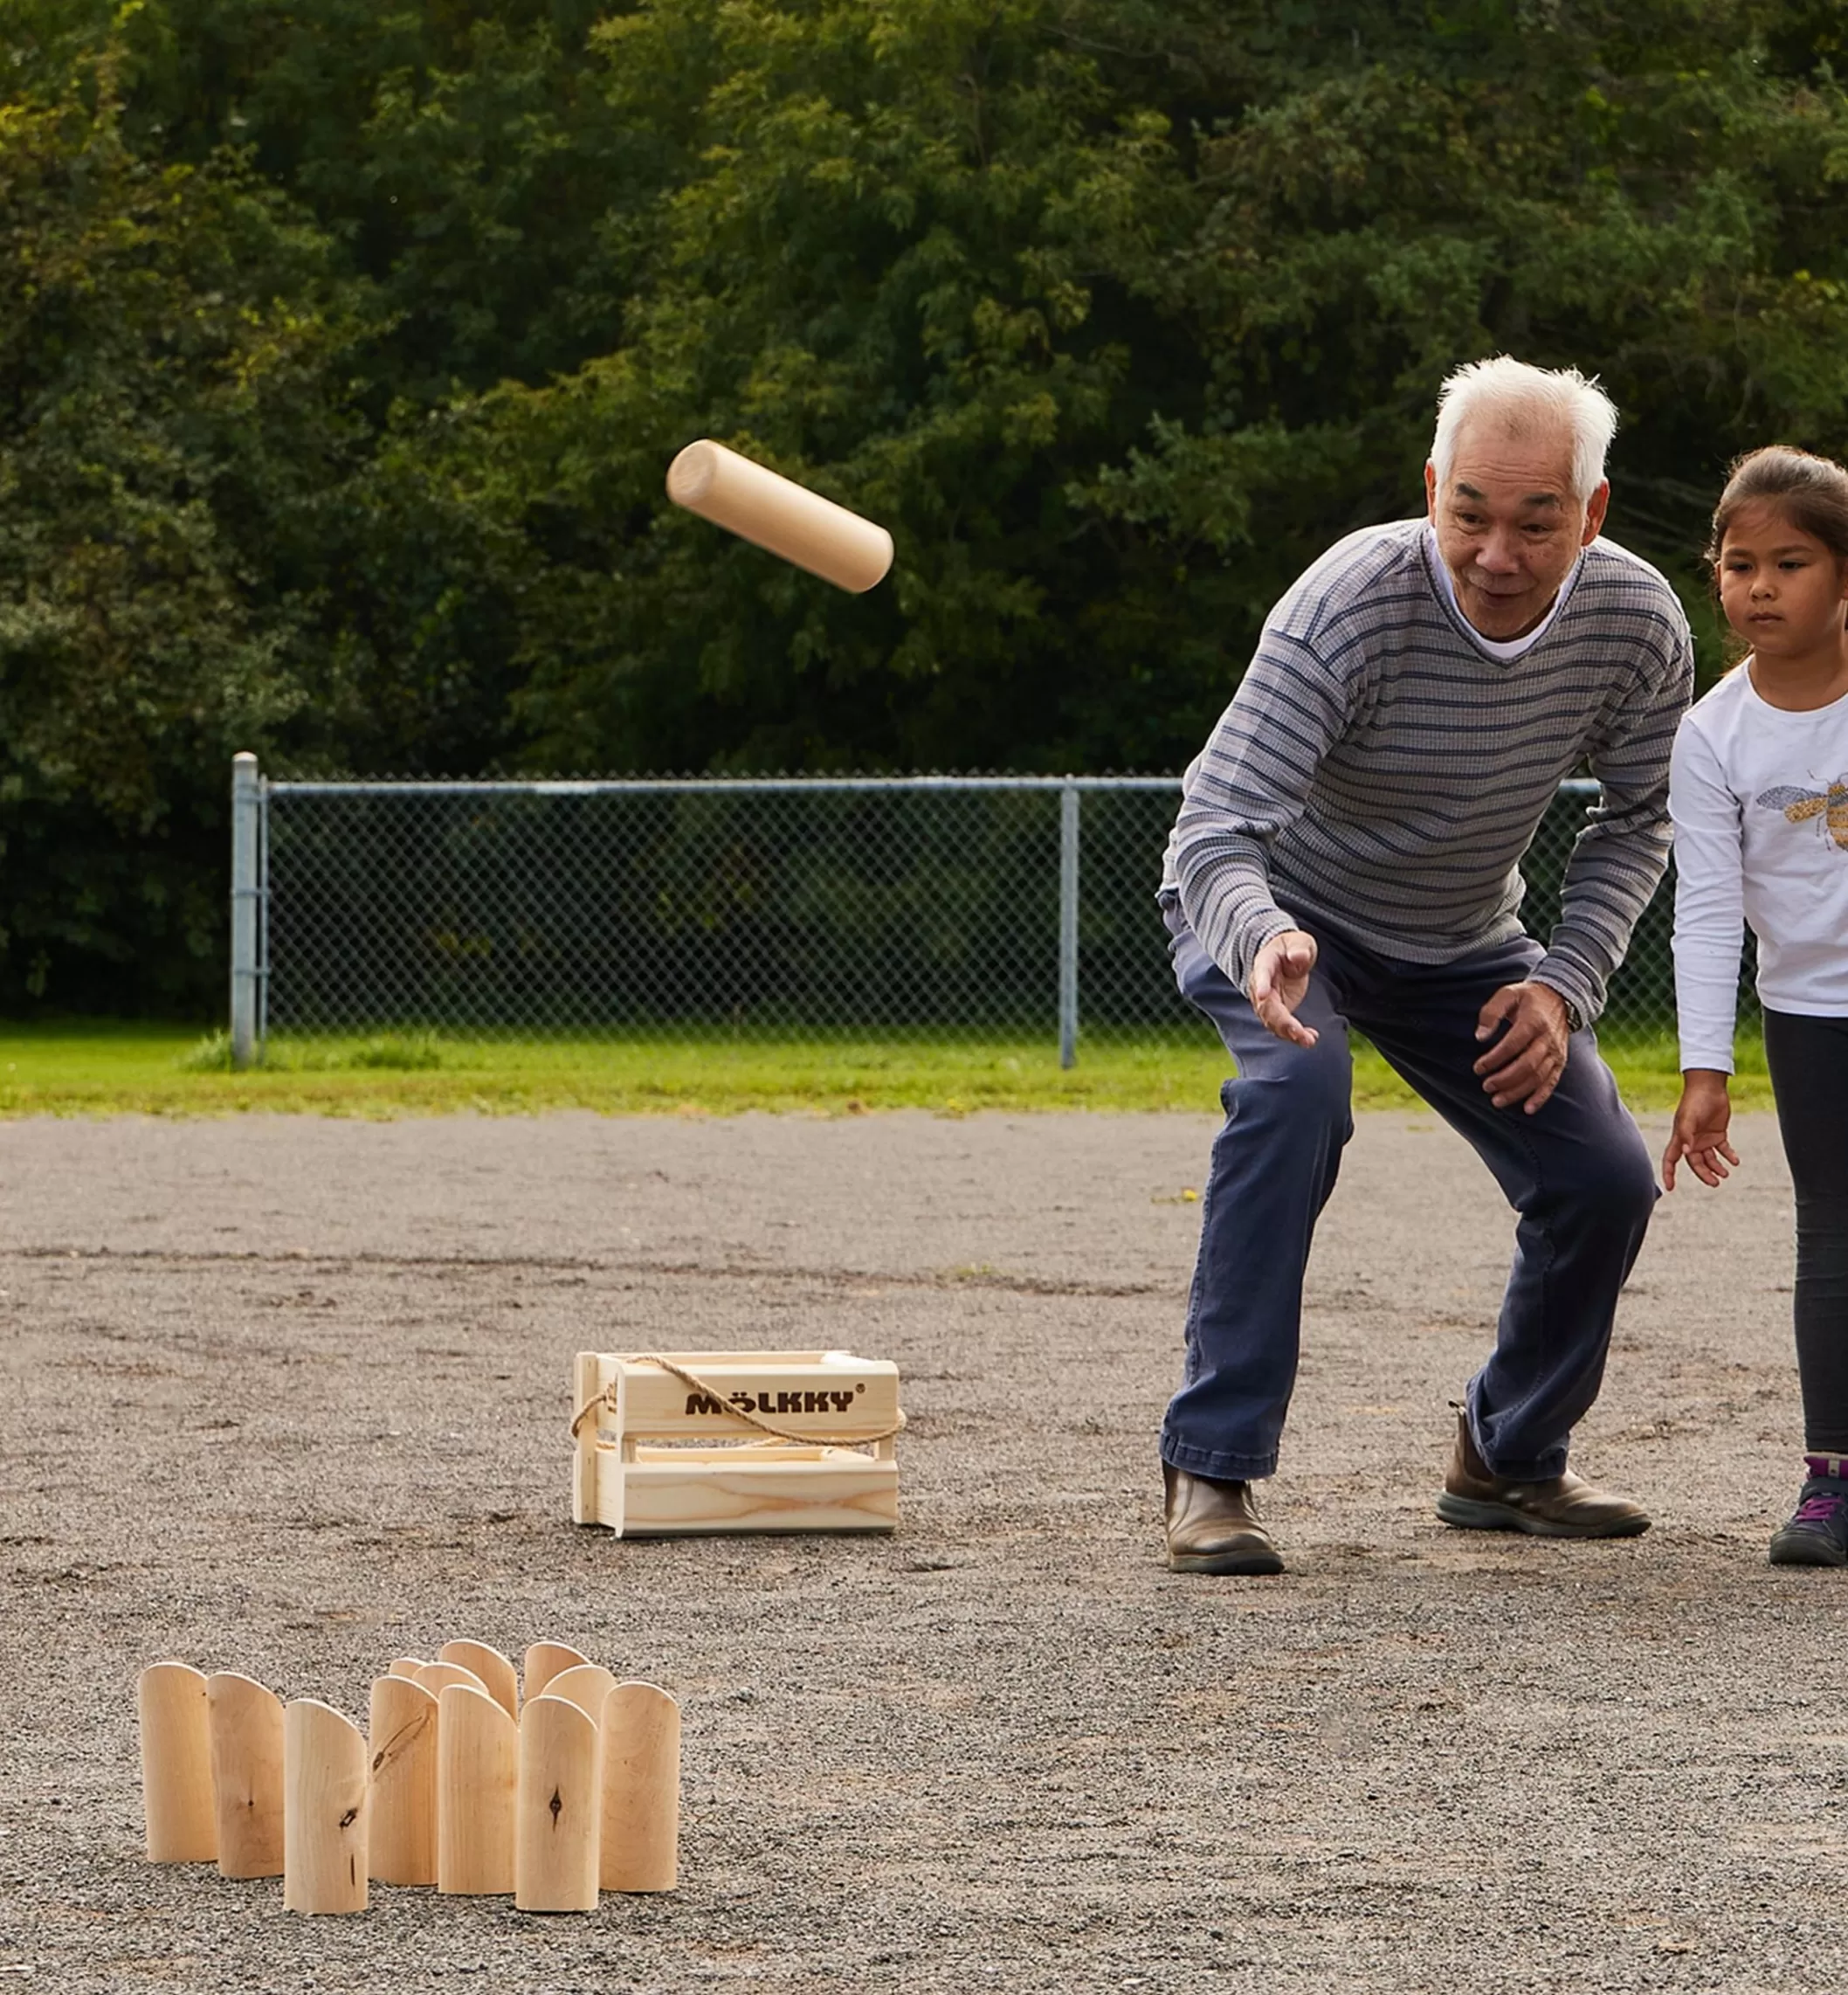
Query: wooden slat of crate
670	1491
823	1394
597	1480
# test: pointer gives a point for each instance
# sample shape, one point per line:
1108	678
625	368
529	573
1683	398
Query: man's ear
1430	490
1595	508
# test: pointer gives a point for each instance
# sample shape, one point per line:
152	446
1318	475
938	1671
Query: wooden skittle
544	1661
245	1722
326	1817
498	1675
403	1743
639	1844
436	1677
559	1808
182	1825
478	1772
586	1685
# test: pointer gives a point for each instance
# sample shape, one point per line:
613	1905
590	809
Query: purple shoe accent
1818	1531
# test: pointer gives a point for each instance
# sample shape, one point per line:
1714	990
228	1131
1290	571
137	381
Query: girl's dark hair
1811	491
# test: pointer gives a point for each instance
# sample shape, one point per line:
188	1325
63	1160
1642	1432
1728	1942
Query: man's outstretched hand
1524	1065
1279	982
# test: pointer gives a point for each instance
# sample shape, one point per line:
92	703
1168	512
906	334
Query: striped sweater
1378	769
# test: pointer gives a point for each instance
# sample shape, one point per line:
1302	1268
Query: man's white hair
1521	401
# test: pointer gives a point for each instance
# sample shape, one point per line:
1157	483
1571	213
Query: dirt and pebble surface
290	1397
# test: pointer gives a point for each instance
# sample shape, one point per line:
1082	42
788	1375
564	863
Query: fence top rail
592	786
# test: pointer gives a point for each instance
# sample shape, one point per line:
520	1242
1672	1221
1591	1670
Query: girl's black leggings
1808	1062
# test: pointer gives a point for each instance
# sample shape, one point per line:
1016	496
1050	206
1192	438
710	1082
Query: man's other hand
1279	979
1524	1065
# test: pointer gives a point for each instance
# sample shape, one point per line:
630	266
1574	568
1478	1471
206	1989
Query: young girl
1759	795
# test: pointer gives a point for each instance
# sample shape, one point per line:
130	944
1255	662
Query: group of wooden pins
459	1785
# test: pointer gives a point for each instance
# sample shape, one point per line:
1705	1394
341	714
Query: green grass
100	1069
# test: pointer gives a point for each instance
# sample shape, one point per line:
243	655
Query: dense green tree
1113	377
170	342
344	349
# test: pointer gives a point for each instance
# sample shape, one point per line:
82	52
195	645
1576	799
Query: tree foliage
344	348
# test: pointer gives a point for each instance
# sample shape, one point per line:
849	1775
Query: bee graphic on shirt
1828	807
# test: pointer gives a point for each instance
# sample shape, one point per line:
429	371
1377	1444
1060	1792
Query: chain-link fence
767	906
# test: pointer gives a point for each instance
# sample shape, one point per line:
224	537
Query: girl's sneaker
1818	1531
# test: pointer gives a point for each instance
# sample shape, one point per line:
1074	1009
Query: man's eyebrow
1532	498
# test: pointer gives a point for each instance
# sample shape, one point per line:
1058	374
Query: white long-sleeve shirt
1759	798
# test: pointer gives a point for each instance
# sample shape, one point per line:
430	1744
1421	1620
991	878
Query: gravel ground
290	1397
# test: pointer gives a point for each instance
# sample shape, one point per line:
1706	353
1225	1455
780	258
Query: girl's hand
1701	1120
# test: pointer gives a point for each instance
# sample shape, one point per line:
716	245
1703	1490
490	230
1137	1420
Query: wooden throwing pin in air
760	506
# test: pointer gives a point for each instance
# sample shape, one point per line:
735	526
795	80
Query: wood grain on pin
245	1721
559	1809
478	1771
176	1792
639	1844
787	519
325	1814
544	1661
497	1674
403	1743
407	1665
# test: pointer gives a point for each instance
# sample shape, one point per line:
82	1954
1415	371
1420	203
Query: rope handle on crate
695	1384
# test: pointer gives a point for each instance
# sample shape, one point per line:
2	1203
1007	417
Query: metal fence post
263	922
1068	925
243	895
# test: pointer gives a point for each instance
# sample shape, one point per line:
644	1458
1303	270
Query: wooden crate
810	1477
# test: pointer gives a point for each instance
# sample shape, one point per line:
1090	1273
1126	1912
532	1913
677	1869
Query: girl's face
1782	589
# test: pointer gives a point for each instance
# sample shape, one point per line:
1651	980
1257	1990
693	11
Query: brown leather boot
1213	1526
1562	1506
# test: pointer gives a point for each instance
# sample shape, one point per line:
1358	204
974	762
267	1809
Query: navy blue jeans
1576	1172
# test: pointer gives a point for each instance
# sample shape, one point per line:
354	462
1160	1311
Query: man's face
1508	526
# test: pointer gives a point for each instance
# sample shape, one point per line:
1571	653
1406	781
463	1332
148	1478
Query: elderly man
1348	854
